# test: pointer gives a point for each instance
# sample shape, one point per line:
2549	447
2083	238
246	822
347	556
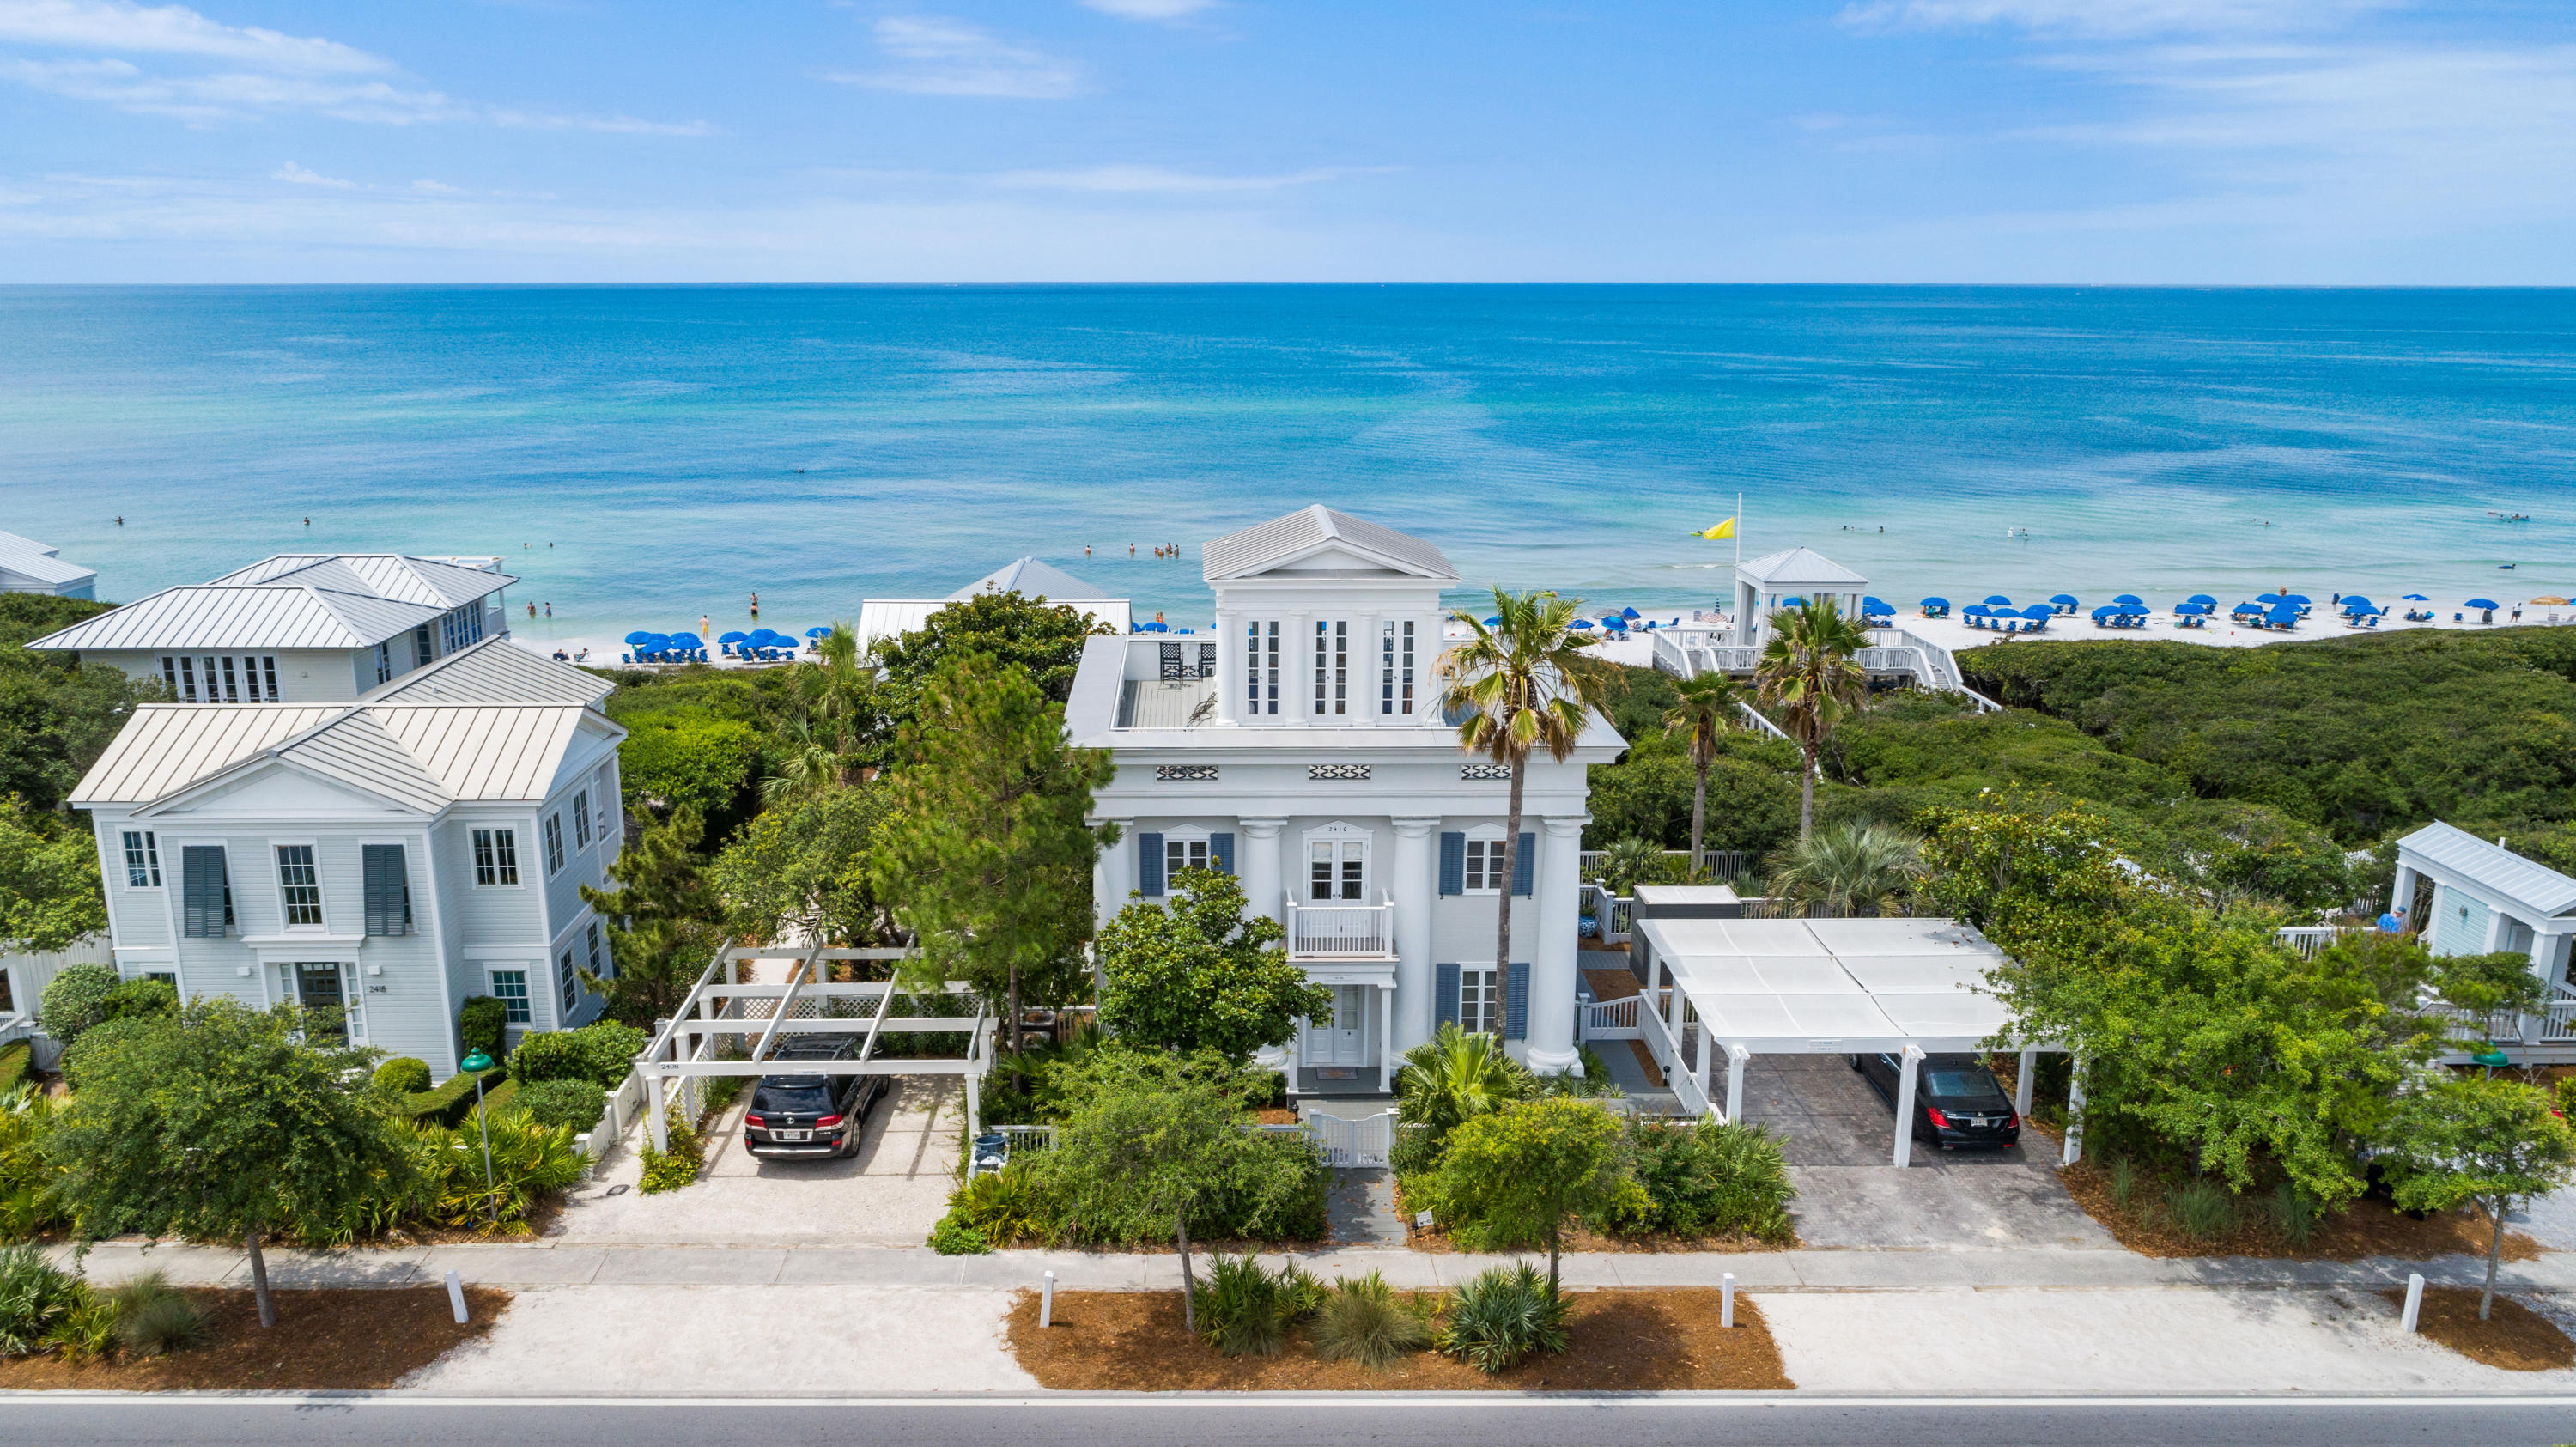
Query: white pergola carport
1910	987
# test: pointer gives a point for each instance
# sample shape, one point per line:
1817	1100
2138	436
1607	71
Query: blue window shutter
1453	879
1516	1009
1445	991
1525	864
1149	865
202	885
1221	852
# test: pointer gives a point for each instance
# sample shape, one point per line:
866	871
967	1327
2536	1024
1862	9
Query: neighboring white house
2486	898
388	856
1780	580
299	628
1302	747
1028	577
28	566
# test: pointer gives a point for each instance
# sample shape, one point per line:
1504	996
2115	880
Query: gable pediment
278	789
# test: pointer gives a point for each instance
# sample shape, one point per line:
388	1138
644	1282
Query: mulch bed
2513	1337
1664	1339
331	1340
2364	1229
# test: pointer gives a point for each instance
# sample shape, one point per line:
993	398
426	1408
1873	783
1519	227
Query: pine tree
661	921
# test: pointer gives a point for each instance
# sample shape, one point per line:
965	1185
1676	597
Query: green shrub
403	1075
573	1104
25	1119
1005	1207
87	1328
453	1101
153	1318
144	998
952	1237
720	1092
1363	1322
671	1169
529	1163
602	1053
2124	1181
1502	1316
2566	1091
1121	1104
2202	1208
34	1297
1244	1310
103	1038
483	1023
1706	1179
75	999
14	1060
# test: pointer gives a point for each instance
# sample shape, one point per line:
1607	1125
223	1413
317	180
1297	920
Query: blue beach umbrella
2355	603
1494	622
2130	599
1873	605
1936	603
2415	598
2204	600
639	638
1975	610
1582	623
2039	610
1793	602
1998	600
2286	613
2067	601
736	636
685	640
818	632
2105	611
2299	598
1630	613
2487	603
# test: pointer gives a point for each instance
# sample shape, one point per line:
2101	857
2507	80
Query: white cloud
223	94
611	125
1138	179
173	30
949	57
435	188
2109	17
1149	9
302	177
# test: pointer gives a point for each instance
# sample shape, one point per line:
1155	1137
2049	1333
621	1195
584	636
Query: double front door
1340	1038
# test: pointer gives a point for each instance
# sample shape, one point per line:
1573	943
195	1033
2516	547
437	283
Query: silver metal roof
423	756
1239	554
1032	579
210	616
31	559
387	575
2541	890
1832	986
495	670
1799	566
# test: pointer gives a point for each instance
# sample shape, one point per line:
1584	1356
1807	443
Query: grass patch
1664	1339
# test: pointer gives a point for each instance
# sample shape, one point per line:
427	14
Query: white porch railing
1674	1053
1609	1020
1341	931
2307	939
15	1025
2558	1025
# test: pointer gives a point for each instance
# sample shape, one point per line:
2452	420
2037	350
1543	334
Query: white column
1905	1105
2498	923
1415	977
1551	1006
2401	895
1736	1058
2074	1115
1386	1037
2024	1079
1116	873
1264	890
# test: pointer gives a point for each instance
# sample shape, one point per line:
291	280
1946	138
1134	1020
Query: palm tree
1808	673
1454	1077
1852	869
1524	684
1705	712
833	721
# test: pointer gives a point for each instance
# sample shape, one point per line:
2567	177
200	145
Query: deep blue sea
643	455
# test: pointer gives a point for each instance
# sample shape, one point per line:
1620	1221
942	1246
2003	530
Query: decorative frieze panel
1337	771
1476	773
1185	773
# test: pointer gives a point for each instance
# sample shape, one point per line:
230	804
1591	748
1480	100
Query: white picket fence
1367	1141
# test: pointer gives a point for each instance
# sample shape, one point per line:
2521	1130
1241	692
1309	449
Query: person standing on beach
755	605
705	632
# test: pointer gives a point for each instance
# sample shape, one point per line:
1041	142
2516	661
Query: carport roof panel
1771	937
1972	1016
1917	974
1764	975
1849	937
1794	1017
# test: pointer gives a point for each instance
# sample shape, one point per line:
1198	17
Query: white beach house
1302	747
2471	896
1028	577
28	566
387	856
298	628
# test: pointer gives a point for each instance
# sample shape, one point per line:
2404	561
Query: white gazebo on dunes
1746	987
1777	580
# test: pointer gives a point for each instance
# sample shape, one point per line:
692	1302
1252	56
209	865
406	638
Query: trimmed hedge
483	1023
601	1053
404	1075
13	1065
451	1102
497	1099
574	1103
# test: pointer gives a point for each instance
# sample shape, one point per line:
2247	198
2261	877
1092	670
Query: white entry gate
1362	1142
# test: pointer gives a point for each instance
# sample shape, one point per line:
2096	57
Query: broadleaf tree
2488	1142
49	886
1523	1171
1041	639
1198	974
987	859
228	1123
801	868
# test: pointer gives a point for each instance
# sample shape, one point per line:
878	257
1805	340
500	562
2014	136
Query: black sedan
1957	1100
813	1114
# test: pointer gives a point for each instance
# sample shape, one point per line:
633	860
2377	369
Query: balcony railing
1341	931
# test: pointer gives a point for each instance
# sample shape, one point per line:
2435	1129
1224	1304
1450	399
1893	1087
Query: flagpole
1739	530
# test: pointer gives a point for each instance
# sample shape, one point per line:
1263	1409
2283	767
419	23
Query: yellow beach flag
1725	529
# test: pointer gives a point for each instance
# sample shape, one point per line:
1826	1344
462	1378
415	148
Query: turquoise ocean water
645	455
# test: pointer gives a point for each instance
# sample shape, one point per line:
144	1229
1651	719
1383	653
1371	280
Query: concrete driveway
1840	1139
890	1194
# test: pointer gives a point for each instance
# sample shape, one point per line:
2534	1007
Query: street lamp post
477	1063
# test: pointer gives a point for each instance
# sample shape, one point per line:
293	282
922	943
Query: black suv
1957	1100
810	1115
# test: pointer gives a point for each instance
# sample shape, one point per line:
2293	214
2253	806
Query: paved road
1342	1418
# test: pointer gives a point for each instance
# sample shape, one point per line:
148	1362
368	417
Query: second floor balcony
1340	930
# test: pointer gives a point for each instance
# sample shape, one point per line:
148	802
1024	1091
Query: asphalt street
1496	1421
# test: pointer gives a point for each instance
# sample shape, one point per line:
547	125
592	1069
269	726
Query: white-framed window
221	677
1261	668
1181	853
1336	864
1395	669
581	819
1332	667
1479	1003
384	663
553	830
1485	866
599	964
299	885
510	987
569	984
142	859
461	627
496	857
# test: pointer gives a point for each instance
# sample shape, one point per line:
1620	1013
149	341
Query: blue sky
2164	141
